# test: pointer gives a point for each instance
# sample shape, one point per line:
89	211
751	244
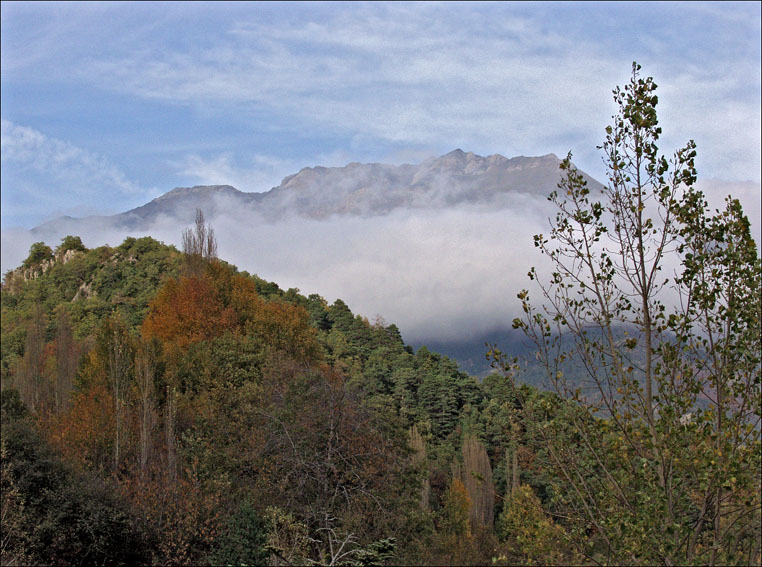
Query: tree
418	446
243	540
38	253
659	455
32	382
67	357
199	245
70	243
145	366
115	347
477	473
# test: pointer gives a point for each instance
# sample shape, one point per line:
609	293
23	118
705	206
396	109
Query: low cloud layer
439	274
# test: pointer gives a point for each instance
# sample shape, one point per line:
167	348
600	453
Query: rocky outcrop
84	291
19	276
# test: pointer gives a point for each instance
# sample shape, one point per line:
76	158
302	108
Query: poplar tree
656	303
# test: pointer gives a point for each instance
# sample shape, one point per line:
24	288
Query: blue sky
106	106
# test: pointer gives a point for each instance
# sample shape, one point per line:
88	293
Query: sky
106	106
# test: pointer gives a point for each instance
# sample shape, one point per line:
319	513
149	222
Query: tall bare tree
199	245
170	415
477	473
145	363
67	355
32	384
116	348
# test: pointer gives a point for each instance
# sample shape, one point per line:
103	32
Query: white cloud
261	174
57	175
442	77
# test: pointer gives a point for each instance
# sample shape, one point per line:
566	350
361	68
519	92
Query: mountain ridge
362	189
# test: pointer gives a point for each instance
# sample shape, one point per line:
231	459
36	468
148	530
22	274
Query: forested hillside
231	421
161	407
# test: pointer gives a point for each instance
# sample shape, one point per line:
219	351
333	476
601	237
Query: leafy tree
63	516
38	253
659	458
188	310
243	540
529	529
70	243
439	399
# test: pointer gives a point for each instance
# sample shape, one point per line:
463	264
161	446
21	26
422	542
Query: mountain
343	231
356	189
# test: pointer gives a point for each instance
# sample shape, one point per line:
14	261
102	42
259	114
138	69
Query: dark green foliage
70	243
11	406
38	253
243	540
439	400
68	518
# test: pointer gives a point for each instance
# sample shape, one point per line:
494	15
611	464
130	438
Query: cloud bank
440	274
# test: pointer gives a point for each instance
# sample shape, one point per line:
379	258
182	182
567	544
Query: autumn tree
455	523
656	303
188	310
477	478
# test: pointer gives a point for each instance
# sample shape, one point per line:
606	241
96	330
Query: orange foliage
193	309
188	310
185	515
85	433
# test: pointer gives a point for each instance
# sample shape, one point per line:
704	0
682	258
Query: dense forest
159	406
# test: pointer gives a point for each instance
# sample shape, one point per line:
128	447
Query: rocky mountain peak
198	191
367	189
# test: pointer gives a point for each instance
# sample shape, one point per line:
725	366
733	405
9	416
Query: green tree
70	243
438	397
243	540
38	253
658	459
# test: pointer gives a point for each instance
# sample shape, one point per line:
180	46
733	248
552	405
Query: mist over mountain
439	248
356	189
